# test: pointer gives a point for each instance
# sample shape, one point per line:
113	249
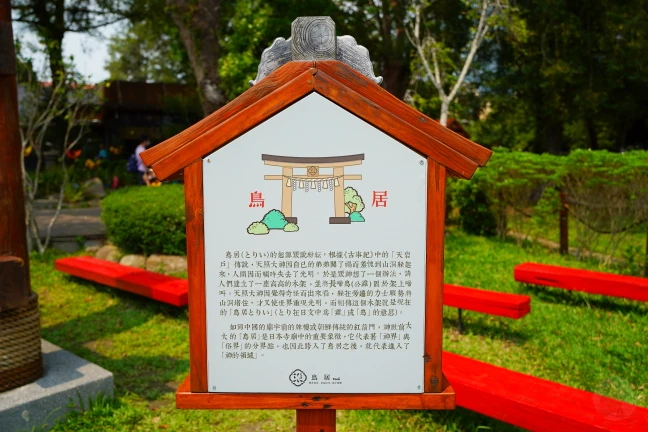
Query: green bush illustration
258	228
352	200
354	204
291	227
274	219
356	217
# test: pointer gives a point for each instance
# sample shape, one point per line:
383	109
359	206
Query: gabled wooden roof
340	84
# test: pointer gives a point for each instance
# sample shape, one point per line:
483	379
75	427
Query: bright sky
90	53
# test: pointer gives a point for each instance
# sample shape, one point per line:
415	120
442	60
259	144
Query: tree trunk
622	131
198	27
395	52
592	138
396	77
443	118
51	29
56	63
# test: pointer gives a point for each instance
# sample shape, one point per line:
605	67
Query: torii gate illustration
314	179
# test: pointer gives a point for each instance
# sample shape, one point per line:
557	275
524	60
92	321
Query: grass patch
585	341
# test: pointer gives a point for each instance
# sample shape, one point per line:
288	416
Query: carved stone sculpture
313	38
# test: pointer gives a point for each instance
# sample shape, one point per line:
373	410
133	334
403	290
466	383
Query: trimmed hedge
146	220
606	195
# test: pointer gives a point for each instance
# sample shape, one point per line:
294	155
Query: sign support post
320	420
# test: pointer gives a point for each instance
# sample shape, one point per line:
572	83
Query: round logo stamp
297	377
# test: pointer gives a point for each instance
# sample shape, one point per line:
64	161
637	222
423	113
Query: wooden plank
227	130
436	182
316	420
185	399
489	302
536	404
320	177
155	286
392	125
264	87
298	161
630	287
351	78
319	165
194	215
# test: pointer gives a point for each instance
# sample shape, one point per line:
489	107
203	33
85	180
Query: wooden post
286	192
436	187
338	198
14	259
316	420
564	224
646	262
339	192
20	349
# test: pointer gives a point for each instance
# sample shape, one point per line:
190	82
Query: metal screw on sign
421	162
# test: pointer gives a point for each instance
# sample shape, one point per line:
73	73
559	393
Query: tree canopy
548	75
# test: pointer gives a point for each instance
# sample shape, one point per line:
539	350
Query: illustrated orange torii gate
313	165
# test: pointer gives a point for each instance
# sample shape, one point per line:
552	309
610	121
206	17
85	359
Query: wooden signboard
315	207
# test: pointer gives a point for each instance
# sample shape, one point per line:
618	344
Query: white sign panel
315	238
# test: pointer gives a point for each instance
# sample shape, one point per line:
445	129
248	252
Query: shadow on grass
129	299
464	420
457	420
87	336
149	377
478	326
97	325
579	299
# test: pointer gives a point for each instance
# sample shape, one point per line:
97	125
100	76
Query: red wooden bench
490	302
173	290
159	287
536	404
629	287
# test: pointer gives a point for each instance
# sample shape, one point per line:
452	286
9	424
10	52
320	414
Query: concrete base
66	378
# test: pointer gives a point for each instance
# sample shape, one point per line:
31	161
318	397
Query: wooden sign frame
447	153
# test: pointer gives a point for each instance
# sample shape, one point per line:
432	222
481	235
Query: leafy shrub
258	228
511	183
50	180
146	220
274	219
475	213
291	227
607	193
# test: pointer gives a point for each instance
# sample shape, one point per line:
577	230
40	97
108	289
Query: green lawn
588	342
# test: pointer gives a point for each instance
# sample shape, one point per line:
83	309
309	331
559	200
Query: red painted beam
630	287
536	404
489	302
156	286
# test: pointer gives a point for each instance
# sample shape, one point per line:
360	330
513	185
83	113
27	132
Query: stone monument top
313	38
